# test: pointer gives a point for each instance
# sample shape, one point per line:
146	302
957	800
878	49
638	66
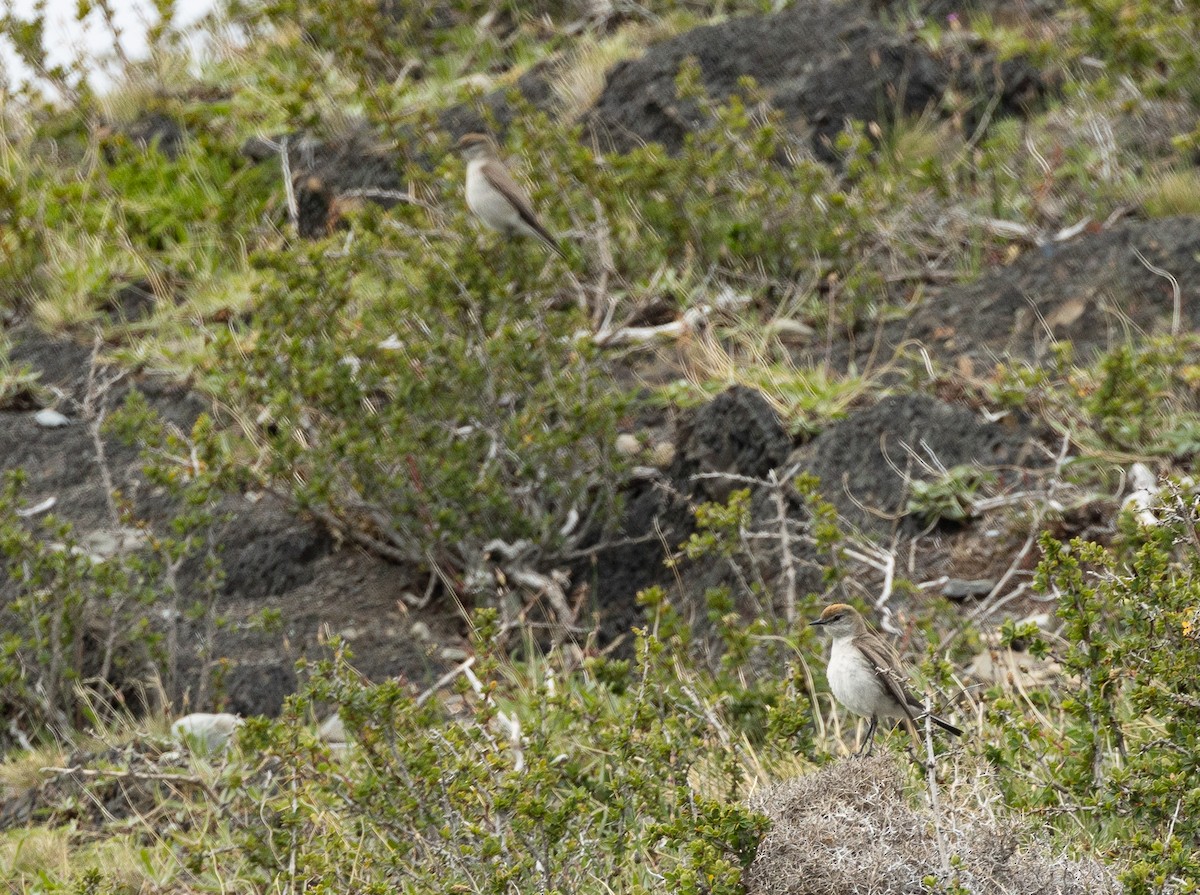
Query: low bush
1134	398
610	776
1120	755
426	402
89	628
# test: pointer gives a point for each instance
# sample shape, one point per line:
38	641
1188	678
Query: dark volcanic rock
820	63
738	434
327	173
494	111
1094	291
156	130
863	460
132	301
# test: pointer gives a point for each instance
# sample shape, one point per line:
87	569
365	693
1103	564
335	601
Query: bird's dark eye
838	617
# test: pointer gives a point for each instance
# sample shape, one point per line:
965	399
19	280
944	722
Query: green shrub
1136	398
605	778
950	497
68	619
19	388
1122	759
86	628
426	399
1156	42
22	249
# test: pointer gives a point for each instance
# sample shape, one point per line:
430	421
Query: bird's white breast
488	203
854	681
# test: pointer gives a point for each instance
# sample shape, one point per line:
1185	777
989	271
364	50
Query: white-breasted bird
865	675
494	197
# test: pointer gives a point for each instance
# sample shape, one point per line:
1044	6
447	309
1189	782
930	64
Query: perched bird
494	197
865	675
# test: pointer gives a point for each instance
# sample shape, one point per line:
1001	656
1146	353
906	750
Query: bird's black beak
816	621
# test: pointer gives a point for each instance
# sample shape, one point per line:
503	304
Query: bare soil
1098	291
821	64
272	559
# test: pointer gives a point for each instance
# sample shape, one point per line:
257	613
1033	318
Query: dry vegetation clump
850	827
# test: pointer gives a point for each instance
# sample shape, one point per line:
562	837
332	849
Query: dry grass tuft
851	828
583	74
22	771
1172	193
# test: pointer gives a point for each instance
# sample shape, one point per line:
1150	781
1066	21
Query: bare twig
1176	294
510	724
931	779
785	546
605	306
692	319
289	188
883	561
993	600
445	679
367	192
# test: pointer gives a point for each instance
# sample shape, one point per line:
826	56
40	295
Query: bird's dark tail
945	725
552	242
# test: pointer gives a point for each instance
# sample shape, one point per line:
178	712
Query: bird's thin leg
867	747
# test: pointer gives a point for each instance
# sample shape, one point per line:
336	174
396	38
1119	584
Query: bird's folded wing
888	671
499	177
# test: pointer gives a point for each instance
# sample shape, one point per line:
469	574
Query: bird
495	198
865	675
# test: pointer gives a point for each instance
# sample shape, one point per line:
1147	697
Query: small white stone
421	632
206	732
105	543
1143	485
49	418
628	445
1142	477
333	730
663	454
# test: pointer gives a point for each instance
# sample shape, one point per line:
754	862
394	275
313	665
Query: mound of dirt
271	559
849	827
733	442
736	434
820	63
154	130
1100	290
865	461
